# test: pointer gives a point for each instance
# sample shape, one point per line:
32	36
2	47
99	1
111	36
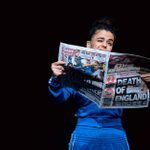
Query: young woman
96	128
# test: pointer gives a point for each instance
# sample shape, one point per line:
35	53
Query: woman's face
102	40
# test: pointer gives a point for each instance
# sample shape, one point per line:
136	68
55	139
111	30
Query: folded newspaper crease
110	79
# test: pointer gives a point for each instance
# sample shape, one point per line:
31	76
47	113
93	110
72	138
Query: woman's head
102	34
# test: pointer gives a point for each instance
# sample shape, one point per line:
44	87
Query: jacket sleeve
60	94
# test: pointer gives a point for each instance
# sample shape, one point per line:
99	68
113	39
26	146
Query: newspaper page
123	84
111	80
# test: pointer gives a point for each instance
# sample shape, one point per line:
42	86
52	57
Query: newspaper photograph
110	79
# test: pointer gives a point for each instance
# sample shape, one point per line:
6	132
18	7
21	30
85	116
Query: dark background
30	40
69	23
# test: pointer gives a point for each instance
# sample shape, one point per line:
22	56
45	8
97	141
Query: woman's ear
88	44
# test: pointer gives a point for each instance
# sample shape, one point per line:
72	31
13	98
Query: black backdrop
69	23
34	29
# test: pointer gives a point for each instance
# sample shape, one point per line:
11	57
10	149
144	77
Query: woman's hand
146	77
57	68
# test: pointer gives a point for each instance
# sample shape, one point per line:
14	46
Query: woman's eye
110	44
100	41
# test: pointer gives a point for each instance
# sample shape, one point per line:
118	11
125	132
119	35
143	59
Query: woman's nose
104	45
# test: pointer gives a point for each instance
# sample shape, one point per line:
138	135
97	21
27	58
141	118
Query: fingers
146	77
57	68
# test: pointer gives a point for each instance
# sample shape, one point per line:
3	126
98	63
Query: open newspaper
110	79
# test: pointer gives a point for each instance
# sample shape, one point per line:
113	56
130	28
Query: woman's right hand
57	68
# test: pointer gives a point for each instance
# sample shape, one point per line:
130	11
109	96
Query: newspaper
110	79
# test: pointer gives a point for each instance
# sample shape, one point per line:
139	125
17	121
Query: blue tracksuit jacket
97	128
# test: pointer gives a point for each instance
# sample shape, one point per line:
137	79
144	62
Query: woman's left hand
146	77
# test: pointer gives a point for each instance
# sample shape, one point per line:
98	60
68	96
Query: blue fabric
90	138
85	107
97	128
